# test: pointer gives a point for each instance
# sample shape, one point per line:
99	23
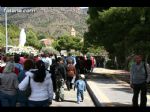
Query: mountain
55	21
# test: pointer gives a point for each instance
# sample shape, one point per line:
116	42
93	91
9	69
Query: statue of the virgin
22	38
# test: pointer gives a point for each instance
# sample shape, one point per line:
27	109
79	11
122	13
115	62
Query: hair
138	55
9	67
69	54
59	59
16	58
28	64
40	74
69	61
31	56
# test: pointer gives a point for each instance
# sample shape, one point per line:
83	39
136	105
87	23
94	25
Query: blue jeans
80	95
44	103
7	100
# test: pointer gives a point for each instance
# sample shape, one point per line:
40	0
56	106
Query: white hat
82	76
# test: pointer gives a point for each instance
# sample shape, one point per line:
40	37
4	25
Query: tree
32	39
49	50
68	43
121	30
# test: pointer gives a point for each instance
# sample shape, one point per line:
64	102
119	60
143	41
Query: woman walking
22	99
41	86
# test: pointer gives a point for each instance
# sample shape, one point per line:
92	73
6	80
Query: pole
6	29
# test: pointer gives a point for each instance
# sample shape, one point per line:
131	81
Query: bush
49	50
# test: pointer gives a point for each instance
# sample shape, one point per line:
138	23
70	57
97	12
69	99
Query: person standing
138	82
18	66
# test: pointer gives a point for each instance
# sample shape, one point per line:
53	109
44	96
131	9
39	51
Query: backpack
56	70
16	71
70	70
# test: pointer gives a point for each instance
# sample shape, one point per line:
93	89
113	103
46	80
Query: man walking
60	73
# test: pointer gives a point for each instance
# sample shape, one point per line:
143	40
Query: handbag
27	92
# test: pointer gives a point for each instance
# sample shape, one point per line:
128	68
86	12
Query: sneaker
78	102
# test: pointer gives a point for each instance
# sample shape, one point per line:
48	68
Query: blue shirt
80	85
19	66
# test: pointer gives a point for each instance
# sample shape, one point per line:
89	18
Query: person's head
40	65
43	55
16	58
138	59
40	74
69	61
47	55
28	64
82	76
60	60
9	67
26	56
69	54
31	56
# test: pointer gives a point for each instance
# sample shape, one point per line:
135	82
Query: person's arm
131	76
74	59
16	83
24	83
64	71
50	61
55	57
21	68
75	71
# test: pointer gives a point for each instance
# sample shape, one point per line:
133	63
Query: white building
73	32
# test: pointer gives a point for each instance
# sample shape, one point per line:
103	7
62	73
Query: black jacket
60	70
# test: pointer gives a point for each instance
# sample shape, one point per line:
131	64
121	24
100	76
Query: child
81	87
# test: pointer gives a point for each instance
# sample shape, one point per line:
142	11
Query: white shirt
40	91
49	60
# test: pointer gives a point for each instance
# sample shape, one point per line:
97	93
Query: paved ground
110	92
70	100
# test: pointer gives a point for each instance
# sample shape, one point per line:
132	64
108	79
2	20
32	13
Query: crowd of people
46	74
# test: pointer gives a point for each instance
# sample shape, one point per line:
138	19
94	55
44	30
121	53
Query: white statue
22	38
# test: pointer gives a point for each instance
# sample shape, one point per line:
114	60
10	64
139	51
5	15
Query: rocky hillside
55	21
